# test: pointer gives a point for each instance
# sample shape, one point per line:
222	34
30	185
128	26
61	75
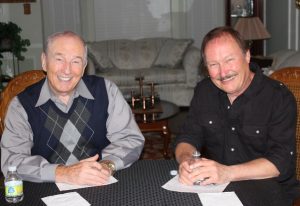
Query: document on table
70	198
64	186
224	199
175	185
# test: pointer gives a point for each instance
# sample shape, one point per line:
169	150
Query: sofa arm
90	67
191	62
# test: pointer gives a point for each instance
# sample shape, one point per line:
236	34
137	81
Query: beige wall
31	29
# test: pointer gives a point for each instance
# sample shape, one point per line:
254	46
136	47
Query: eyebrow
226	57
75	57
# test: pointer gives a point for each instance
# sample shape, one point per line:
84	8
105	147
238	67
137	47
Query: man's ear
248	56
84	68
43	60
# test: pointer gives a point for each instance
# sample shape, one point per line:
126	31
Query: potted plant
11	41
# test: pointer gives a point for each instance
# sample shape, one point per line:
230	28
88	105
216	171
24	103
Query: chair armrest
296	202
191	62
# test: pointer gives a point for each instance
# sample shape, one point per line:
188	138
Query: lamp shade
251	28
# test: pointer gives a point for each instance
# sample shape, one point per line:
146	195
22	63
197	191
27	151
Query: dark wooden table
141	184
262	61
157	121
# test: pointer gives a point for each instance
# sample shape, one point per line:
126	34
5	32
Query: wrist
60	173
110	165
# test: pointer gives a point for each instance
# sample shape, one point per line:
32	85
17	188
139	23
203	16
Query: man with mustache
245	121
69	127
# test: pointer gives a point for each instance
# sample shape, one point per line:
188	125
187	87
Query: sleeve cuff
48	173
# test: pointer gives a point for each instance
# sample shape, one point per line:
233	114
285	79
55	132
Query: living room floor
153	148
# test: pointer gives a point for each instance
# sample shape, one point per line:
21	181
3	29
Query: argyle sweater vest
66	138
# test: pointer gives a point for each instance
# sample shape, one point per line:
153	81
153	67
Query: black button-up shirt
260	123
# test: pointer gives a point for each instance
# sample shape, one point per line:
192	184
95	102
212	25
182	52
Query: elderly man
244	120
69	127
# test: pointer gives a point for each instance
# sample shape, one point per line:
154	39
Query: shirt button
210	122
232	149
281	84
257	131
232	128
291	152
228	107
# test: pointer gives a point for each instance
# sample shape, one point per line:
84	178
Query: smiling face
228	66
64	62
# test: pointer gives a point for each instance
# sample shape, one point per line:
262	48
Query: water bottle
196	155
13	186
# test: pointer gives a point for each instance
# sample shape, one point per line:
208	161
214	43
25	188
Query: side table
262	61
158	122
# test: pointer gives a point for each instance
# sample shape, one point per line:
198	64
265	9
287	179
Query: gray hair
52	37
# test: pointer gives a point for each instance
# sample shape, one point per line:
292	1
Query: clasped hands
205	170
86	172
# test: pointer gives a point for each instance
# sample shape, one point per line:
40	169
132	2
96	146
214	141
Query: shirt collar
46	93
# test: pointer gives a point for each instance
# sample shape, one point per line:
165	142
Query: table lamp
251	28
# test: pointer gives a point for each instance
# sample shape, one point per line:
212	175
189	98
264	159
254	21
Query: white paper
70	198
175	185
224	199
65	186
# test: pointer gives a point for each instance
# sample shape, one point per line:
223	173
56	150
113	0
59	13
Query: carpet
153	148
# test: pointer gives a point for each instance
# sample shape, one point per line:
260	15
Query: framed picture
241	8
16	1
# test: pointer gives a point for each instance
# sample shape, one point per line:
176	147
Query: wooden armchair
14	87
290	76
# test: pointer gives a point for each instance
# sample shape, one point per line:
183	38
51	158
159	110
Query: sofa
284	58
172	64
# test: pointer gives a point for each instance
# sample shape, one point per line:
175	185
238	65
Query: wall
191	18
283	23
60	15
31	29
202	16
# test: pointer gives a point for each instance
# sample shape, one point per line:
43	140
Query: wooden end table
262	61
157	121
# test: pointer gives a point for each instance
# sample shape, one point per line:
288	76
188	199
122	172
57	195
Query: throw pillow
172	52
280	57
102	63
291	61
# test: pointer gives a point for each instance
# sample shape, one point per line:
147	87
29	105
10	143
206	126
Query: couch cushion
101	61
127	54
123	77
171	53
280	57
291	61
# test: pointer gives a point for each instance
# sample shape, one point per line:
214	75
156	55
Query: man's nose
67	67
223	69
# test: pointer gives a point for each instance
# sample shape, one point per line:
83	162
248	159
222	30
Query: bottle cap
173	172
12	168
196	153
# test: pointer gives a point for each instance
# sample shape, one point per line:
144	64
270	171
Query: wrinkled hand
86	172
211	172
185	173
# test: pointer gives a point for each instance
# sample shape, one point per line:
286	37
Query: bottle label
13	188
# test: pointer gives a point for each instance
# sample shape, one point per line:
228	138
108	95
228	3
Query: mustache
220	78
